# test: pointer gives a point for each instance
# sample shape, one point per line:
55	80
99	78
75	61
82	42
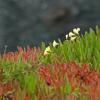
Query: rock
28	22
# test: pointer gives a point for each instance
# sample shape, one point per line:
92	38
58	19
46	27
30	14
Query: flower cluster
71	36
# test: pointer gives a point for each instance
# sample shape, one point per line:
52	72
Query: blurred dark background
29	22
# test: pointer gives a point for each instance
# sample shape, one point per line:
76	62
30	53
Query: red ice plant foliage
80	77
71	97
56	78
24	54
26	97
7	90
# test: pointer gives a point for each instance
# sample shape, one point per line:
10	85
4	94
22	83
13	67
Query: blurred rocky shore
29	22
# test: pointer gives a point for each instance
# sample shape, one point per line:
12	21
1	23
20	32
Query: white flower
73	38
67	36
47	50
46	53
71	34
76	30
55	43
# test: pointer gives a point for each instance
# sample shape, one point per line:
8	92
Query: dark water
28	22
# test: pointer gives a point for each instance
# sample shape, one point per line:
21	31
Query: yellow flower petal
67	36
47	50
46	53
71	34
55	43
76	30
72	38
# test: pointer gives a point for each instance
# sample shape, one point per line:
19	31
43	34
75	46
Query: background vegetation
70	70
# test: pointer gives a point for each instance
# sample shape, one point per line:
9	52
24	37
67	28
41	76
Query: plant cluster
70	78
83	48
63	70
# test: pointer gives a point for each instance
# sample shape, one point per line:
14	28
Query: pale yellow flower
71	34
73	38
47	50
46	53
67	36
55	43
76	30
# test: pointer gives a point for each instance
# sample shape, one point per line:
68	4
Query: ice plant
55	43
79	77
27	75
22	54
51	78
47	51
73	35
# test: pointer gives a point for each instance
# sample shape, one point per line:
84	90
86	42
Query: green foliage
30	82
85	49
